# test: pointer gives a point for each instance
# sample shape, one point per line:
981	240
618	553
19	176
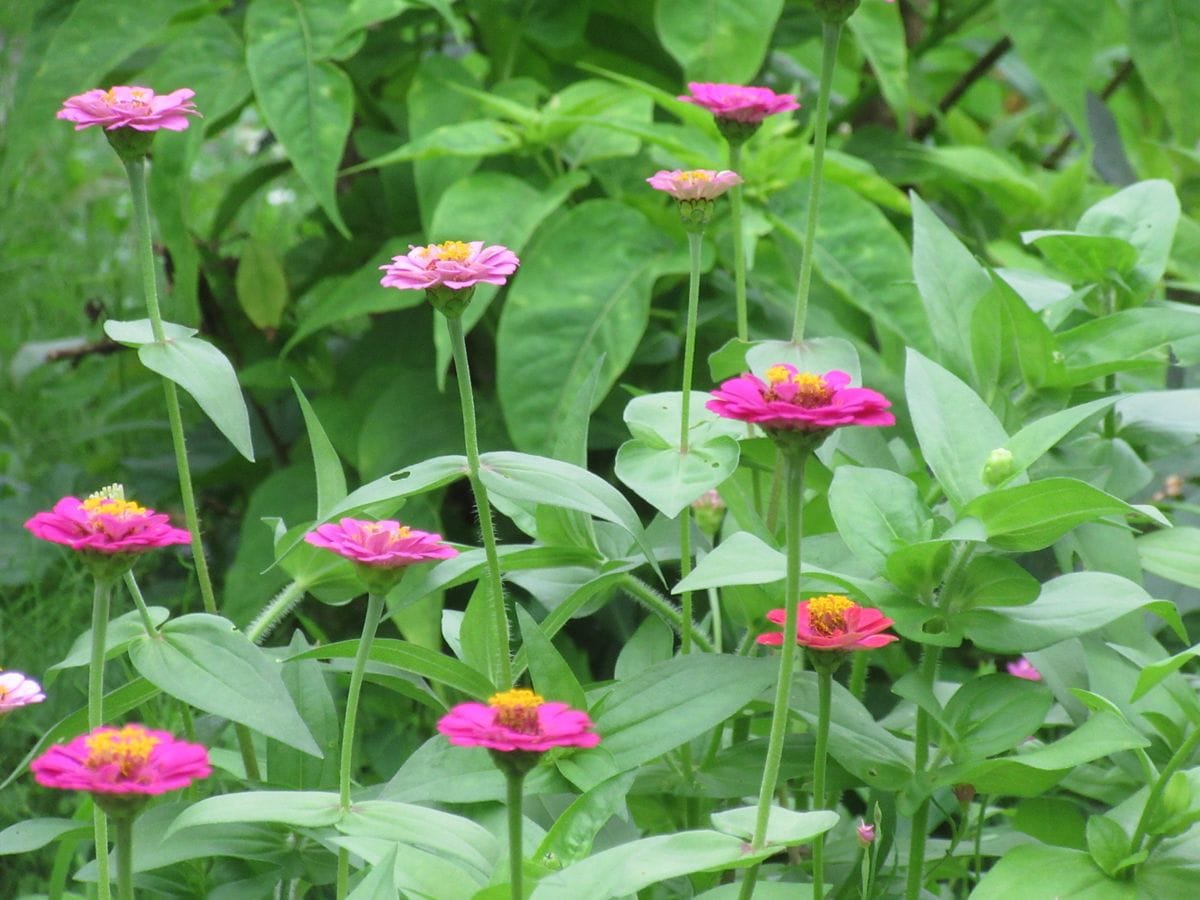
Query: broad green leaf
956	429
1030	443
653	642
1172	553
1153	415
411	658
785	827
1146	215
432	103
331	480
994	713
1010	344
33	834
1039	872
811	355
672	702
405	823
1107	843
655	419
1123	340
262	288
299	809
669	479
307	101
207	375
1068	606
305	682
119	634
995	581
1153	674
136	332
1164	41
989	170
575	300
877	512
551	675
484	137
570	839
426	475
379	883
205	661
1084	257
726	42
1033	516
879	33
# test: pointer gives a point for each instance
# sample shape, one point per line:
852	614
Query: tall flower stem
689	360
739	249
370	625
101	597
930	655
1174	764
831	33
123	838
820	761
661	607
274	612
516	856
858	675
136	170
794	524
498	620
140	602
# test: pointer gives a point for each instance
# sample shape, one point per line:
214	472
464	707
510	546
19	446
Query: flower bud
964	793
709	511
999	467
865	833
836	11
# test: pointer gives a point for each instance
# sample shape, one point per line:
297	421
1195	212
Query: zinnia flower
17	690
517	720
106	523
833	622
696	184
138	108
791	400
381	550
128	760
453	264
1023	668
738	103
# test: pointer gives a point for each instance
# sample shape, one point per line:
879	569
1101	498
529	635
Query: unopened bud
866	833
999	467
964	793
709	512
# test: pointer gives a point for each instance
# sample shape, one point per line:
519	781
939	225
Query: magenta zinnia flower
452	264
384	545
833	622
741	104
138	108
17	690
517	720
1023	668
696	184
128	760
106	523
791	400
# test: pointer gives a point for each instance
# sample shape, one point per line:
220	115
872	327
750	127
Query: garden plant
600	449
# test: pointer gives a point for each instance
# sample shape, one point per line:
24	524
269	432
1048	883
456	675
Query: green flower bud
999	467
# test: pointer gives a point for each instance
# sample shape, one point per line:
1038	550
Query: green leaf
1030	443
1146	215
785	827
33	834
426	475
727	42
204	372
1084	258
956	429
669	479
674	701
653	642
307	101
305	682
331	480
454	836
484	137
262	289
299	809
576	300
551	675
1164	41
574	831
995	581
1119	341
878	31
1107	842
1010	344
1055	871
811	355
1172	553
877	512
119	634
205	661
1033	516
411	658
741	558
993	713
1153	674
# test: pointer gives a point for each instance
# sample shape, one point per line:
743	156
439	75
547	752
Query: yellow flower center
697	175
827	614
454	251
112	506
128	748
517	709
811	390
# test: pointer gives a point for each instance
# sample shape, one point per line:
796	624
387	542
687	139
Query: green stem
124	841
685	569
977	857
140	602
858	675
136	170
1176	762
820	760
714	604
930	655
498	619
101	595
794	523
103	878
275	611
370	625
739	249
695	241
516	856
663	608
831	33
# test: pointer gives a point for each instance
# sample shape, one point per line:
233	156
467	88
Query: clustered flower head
833	622
695	189
449	271
119	766
1023	668
791	400
379	550
138	108
517	720
17	690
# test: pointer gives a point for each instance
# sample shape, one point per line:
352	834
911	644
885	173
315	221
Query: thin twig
982	66
1055	156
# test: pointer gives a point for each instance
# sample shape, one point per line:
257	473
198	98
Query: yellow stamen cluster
112	506
827	614
454	251
697	175
128	747
811	390
517	709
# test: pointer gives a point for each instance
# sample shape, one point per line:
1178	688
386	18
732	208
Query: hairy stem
739	249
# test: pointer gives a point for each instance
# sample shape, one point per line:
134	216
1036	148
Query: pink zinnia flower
517	720
128	760
696	184
791	400
106	523
453	264
138	108
741	104
17	690
1023	668
385	545
833	622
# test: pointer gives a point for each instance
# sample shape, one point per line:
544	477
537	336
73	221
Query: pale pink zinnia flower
833	622
385	544
696	184
453	264
106	523
791	400
17	690
517	720
1023	668
128	760
739	103
138	108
